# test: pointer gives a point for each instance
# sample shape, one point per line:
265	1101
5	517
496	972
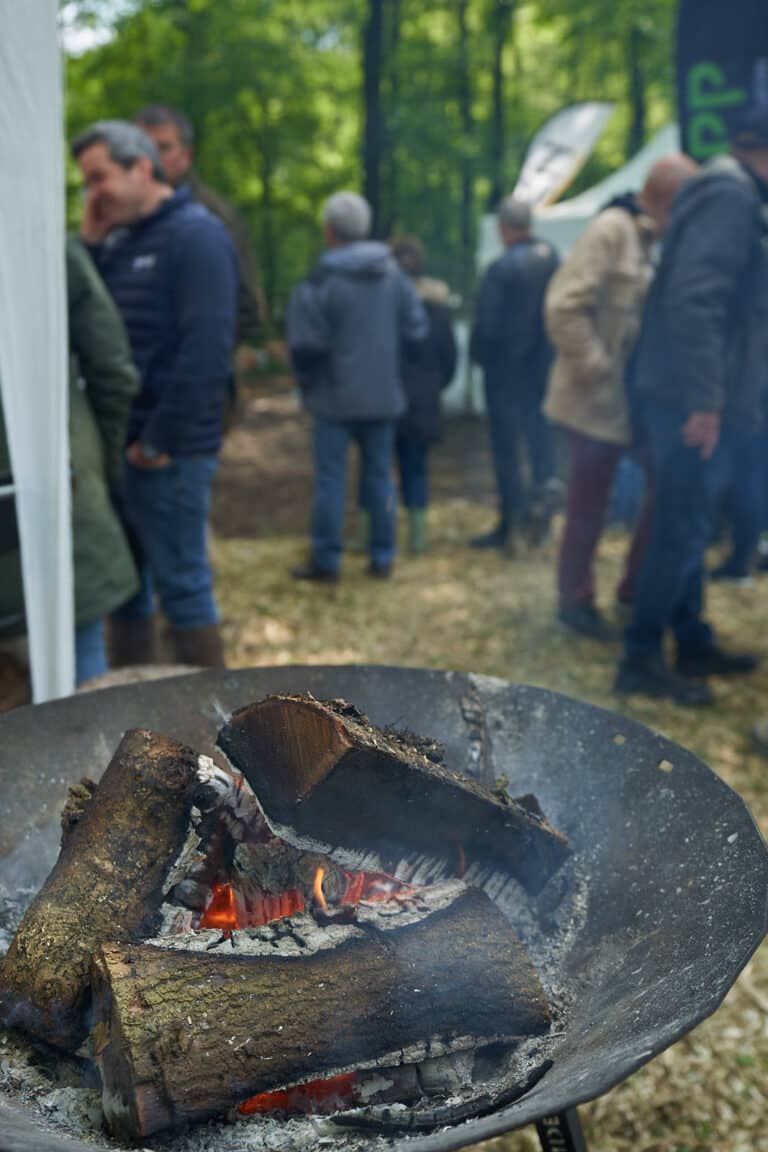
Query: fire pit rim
453	685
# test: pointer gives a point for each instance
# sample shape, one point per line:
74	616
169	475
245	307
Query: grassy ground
459	609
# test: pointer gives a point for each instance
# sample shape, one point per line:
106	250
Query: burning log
181	1036
119	842
324	772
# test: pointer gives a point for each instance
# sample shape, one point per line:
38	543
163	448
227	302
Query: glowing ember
317	889
461	866
316	1096
374	887
222	909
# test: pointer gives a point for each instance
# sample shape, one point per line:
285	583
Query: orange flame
317	889
333	1093
222	909
375	887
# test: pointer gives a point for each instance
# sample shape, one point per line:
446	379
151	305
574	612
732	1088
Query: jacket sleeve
573	298
98	340
447	350
412	317
488	330
701	284
307	331
205	303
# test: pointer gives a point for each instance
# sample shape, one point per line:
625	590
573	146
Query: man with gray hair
172	272
346	326
510	344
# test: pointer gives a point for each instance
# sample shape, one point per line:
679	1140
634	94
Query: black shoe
495	539
380	571
585	620
714	661
727	575
313	572
651	677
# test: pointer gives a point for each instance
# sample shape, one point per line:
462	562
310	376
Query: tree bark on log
182	1036
107	884
323	771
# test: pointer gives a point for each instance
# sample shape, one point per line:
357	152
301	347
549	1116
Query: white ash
300	934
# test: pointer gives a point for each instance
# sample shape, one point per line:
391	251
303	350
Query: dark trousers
515	420
592	466
739	470
412	463
330	442
670	586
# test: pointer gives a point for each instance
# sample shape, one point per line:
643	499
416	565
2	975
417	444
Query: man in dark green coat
102	385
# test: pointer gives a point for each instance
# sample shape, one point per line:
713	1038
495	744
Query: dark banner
722	65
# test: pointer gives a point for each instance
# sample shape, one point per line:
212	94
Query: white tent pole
33	330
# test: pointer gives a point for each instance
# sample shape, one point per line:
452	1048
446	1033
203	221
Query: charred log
322	770
182	1036
119	842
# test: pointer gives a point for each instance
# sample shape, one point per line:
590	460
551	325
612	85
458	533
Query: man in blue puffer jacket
172	271
347	325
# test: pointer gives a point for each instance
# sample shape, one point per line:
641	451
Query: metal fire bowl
678	872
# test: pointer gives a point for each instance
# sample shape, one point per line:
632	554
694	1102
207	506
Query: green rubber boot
417	531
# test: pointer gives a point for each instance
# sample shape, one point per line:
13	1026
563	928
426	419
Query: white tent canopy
33	330
562	223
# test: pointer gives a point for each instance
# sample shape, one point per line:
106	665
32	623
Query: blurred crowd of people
647	343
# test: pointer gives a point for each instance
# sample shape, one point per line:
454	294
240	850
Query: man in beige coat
593	312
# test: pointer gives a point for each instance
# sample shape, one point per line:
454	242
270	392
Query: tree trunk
373	128
637	94
503	11
182	1036
107	884
388	215
467	167
321	770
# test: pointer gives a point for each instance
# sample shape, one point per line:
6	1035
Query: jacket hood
628	201
363	258
432	291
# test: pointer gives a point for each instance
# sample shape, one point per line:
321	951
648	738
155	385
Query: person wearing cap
702	361
593	310
510	344
347	326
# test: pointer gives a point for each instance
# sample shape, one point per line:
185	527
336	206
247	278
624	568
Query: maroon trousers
592	466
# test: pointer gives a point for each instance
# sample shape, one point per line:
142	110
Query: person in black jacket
510	343
172	271
427	368
702	361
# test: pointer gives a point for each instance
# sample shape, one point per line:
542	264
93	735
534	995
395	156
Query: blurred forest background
426	106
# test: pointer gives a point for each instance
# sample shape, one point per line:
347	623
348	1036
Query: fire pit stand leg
561	1132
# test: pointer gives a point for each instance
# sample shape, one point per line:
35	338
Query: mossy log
182	1036
322	771
107	884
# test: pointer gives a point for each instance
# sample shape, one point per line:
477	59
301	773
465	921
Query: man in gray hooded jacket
347	324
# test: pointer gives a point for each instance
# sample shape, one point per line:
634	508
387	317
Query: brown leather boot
130	642
200	647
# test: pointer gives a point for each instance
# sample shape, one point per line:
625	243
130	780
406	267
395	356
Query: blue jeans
670	585
167	509
739	470
90	651
412	458
330	442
